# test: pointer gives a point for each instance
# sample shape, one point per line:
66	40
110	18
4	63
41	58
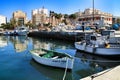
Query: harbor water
16	62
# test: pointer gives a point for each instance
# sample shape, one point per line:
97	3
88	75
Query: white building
100	18
39	16
3	19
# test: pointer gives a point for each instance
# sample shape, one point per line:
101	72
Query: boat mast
93	12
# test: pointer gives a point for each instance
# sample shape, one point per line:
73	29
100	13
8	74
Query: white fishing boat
21	31
52	58
99	45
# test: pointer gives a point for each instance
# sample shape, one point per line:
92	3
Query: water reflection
50	72
50	44
19	43
84	64
3	42
91	64
97	60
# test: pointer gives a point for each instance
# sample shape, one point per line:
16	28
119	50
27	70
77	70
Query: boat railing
115	46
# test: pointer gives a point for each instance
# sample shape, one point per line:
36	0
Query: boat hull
60	63
22	33
108	52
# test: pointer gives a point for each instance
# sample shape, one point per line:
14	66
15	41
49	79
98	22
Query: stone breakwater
66	36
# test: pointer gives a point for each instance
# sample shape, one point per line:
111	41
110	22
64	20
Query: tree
8	26
58	17
13	22
31	25
66	16
72	17
118	20
2	25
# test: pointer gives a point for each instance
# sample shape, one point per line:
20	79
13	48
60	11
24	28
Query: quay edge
109	74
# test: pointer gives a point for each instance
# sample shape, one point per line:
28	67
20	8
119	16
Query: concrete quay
67	36
109	74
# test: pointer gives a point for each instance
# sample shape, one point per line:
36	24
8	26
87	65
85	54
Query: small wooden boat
52	58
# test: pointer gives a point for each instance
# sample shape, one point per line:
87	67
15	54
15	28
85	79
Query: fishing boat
52	58
99	45
21	31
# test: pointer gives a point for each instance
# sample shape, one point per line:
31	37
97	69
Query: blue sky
7	7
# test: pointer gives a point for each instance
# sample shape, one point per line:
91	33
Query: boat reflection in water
50	72
21	43
93	64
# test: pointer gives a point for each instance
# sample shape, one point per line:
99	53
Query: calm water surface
16	62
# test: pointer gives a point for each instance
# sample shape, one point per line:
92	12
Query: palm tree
31	25
58	17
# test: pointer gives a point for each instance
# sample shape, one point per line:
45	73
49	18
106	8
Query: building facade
99	18
40	16
3	19
20	17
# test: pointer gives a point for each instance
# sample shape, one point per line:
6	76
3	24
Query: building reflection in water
3	42
20	43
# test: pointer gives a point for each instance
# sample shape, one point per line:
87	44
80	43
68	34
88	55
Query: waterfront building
40	16
116	19
3	19
20	17
100	18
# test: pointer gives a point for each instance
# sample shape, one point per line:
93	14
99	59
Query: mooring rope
65	70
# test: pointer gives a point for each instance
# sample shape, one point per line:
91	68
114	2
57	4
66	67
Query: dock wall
69	36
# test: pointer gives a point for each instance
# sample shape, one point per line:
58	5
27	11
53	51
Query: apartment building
40	16
3	19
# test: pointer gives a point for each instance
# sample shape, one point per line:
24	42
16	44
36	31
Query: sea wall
66	36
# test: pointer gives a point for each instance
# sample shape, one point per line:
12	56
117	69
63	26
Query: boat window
93	38
21	28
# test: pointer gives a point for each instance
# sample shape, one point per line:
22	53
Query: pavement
109	74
